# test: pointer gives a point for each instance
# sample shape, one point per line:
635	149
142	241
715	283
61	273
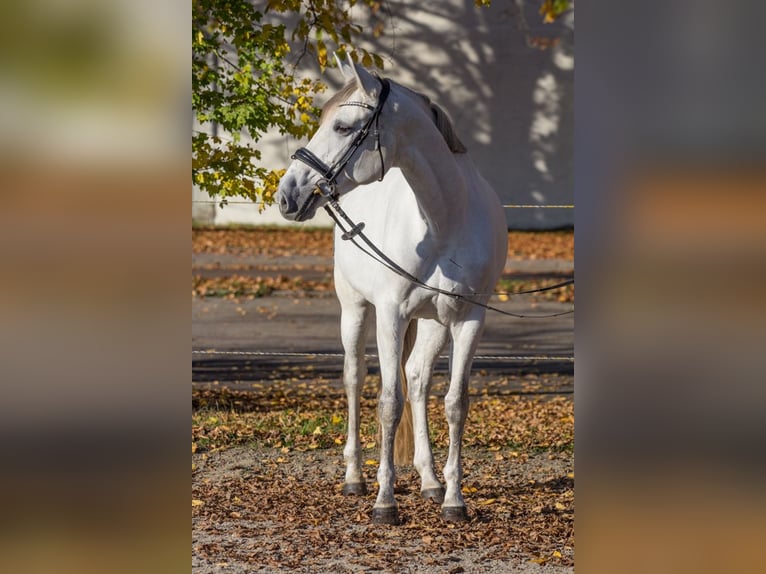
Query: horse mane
444	125
440	118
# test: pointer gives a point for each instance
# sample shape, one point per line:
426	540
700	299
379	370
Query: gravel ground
276	512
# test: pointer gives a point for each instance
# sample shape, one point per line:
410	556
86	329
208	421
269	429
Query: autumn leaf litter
267	463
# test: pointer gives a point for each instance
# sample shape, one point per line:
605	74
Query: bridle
327	185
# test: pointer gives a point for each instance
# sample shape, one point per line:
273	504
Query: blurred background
670	185
94	100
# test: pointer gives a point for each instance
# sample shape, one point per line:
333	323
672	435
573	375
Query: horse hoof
354	488
455	513
387	515
435	494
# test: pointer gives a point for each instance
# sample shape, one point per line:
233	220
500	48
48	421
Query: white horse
439	220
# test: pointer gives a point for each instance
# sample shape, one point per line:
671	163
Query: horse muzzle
298	207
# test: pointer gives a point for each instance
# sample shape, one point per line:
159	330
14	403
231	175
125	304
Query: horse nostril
287	203
284	203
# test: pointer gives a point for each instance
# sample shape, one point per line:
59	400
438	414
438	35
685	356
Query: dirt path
260	510
266	489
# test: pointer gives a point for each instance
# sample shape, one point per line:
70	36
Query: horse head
346	151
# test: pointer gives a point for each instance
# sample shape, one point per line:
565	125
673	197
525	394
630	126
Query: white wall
512	104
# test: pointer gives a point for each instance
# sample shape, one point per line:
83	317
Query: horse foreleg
354	326
465	337
430	340
390	404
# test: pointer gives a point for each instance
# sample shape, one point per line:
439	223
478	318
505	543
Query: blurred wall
511	101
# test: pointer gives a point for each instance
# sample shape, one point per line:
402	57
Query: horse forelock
338	98
440	118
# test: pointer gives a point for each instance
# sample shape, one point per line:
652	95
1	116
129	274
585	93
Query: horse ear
343	67
364	80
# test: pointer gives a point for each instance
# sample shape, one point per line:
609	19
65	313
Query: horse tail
404	441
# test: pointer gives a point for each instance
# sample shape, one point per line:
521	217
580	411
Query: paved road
311	325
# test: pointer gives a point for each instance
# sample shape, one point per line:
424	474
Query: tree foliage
244	83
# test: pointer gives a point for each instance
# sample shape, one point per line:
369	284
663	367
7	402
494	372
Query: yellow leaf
557	554
371	462
338	441
503	297
318	430
370	445
488	501
337	419
322	54
559	506
196	502
194	447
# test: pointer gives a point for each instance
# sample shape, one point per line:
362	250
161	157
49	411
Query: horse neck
436	179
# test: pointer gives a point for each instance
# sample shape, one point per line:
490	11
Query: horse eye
342	129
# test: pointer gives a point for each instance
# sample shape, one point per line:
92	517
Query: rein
355	229
327	187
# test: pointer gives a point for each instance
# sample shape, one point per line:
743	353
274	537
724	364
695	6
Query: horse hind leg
465	338
355	319
431	338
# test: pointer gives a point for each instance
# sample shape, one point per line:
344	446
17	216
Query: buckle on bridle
325	188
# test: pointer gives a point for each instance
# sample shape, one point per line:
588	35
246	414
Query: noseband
327	184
